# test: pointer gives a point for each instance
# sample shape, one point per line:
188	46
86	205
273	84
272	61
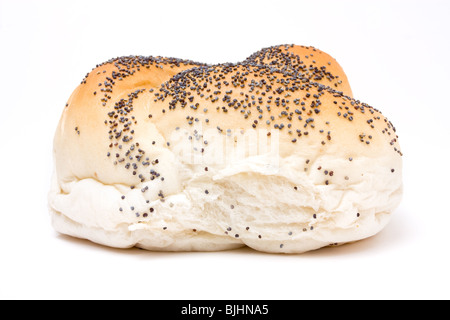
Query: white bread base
264	200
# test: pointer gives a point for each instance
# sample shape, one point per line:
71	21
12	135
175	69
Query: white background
397	57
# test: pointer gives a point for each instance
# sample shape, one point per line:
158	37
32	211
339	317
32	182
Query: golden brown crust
82	139
310	62
129	106
242	96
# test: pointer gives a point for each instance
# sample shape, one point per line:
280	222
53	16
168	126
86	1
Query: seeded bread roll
167	154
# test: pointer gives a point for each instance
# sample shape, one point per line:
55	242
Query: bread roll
167	154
